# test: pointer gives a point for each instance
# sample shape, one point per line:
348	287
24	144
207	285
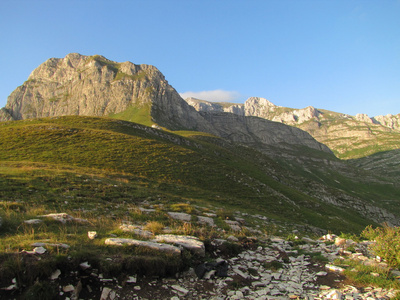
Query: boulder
62	217
33	221
206	220
180	216
189	242
151	245
92	235
234	225
136	230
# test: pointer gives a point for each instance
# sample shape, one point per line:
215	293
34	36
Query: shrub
387	243
155	227
182	207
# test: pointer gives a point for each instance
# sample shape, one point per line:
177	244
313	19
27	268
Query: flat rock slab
180	216
147	210
206	220
60	245
136	230
151	245
189	242
33	221
234	225
63	218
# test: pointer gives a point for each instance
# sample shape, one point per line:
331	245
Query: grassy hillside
349	138
106	171
197	168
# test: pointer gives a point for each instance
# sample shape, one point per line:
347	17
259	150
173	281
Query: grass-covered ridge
194	168
106	170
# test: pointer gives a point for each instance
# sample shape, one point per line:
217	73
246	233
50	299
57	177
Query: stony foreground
276	270
268	268
252	275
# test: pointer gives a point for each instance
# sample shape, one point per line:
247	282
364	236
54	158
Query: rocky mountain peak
363	118
391	121
259	107
96	86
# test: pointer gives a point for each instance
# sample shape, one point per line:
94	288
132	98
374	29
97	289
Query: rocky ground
267	267
275	270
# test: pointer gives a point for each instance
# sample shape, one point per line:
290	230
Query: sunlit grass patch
368	275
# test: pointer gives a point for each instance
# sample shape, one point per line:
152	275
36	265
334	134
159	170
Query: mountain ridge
96	86
273	164
292	116
368	135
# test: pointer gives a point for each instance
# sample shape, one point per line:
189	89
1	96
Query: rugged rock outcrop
259	107
253	130
206	106
96	86
368	135
391	121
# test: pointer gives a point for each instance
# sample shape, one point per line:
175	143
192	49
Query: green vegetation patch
137	114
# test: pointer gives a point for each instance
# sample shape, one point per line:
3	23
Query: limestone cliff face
254	130
206	106
391	121
348	136
96	86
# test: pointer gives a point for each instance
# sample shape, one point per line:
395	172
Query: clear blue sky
340	55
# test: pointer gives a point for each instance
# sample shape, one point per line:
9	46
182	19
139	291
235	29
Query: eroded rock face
329	128
252	130
206	106
96	86
391	121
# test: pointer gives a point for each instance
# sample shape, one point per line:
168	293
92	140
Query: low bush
154	227
387	243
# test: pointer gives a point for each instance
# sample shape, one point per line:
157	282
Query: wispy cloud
214	96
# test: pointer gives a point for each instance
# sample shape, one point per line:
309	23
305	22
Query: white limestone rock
39	250
63	218
189	242
180	290
105	294
33	221
147	210
151	245
136	230
57	245
206	220
68	288
334	268
55	274
92	235
363	118
180	216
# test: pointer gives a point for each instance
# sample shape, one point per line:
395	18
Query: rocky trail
275	271
265	267
270	269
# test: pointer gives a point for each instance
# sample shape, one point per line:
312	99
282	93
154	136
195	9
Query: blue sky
340	55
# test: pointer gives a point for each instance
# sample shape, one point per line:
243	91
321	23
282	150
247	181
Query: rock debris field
276	271
268	268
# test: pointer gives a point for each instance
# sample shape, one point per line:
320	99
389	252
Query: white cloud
214	96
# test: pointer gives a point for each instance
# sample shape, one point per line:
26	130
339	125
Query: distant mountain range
96	86
290	159
348	136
